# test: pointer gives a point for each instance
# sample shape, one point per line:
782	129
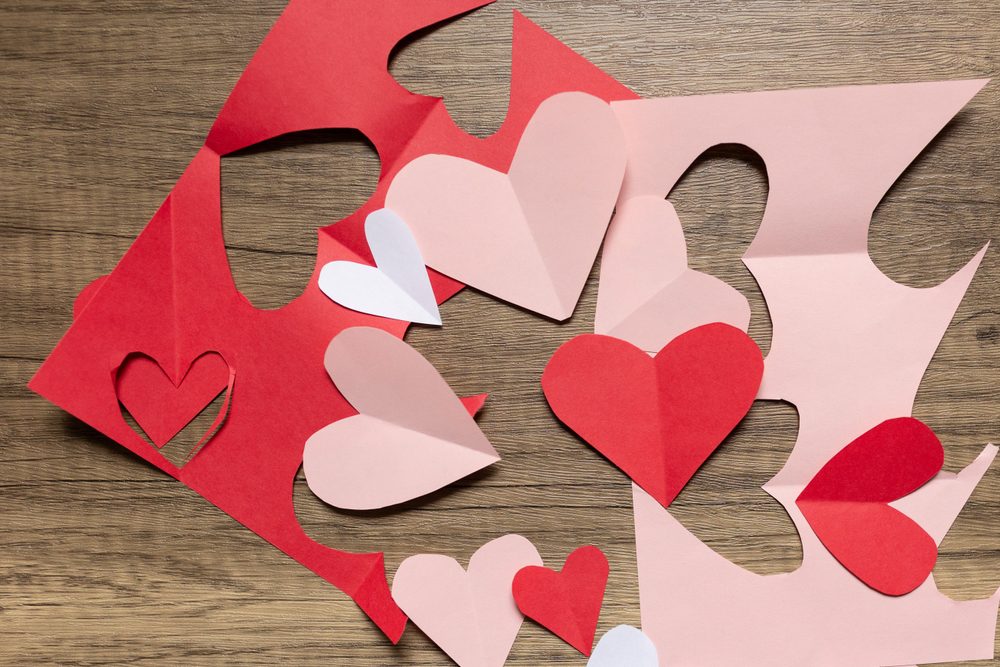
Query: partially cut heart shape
847	505
567	602
412	435
658	418
529	236
163	406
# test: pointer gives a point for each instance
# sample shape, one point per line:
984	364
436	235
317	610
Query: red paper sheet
172	297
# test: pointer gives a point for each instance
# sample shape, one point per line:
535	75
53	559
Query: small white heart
397	287
624	646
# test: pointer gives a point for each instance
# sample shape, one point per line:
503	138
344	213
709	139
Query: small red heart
568	602
846	504
658	418
161	406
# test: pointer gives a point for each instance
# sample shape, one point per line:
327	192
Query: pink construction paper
528	236
412	435
849	349
647	294
470	614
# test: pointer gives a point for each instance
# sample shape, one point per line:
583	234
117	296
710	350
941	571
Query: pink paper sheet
849	349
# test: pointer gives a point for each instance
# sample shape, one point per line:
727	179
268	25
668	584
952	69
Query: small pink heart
528	236
412	435
470	614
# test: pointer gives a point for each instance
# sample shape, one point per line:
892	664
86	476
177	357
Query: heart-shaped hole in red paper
162	406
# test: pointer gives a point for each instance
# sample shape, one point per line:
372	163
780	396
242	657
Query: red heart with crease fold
847	505
657	418
568	602
162	406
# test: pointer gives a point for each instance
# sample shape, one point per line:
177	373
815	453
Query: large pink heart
470	614
529	236
412	435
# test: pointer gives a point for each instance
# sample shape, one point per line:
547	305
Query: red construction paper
658	418
172	297
567	602
847	505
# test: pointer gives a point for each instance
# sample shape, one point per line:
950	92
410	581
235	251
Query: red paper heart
846	504
568	602
162	406
659	418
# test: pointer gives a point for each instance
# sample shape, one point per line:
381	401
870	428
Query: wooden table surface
104	559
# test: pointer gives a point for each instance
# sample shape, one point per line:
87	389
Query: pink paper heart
648	296
470	614
529	236
412	435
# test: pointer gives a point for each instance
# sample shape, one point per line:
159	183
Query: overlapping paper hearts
412	435
471	613
658	418
847	505
528	236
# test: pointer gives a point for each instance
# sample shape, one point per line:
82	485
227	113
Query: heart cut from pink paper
648	295
470	614
412	435
528	236
162	406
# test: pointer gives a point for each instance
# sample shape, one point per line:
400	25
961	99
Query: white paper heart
470	614
624	646
397	287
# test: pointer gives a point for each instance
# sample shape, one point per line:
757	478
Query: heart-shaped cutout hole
162	407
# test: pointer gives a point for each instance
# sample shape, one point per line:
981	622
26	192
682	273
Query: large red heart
568	602
658	418
162	406
846	504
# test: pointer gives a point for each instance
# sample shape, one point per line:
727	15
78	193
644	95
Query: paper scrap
659	418
397	286
528	236
471	613
412	435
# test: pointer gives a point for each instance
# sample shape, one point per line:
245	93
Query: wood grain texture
104	560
